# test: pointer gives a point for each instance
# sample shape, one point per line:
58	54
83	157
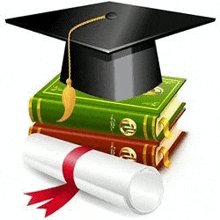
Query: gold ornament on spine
145	154
69	93
154	128
153	156
128	154
145	127
38	130
30	109
127	127
39	111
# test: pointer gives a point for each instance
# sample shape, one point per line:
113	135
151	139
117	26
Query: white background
29	60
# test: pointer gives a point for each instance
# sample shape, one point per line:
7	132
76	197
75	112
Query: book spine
132	150
89	117
100	119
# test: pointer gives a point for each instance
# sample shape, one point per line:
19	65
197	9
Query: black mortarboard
115	58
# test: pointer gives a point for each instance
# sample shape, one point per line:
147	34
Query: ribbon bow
60	195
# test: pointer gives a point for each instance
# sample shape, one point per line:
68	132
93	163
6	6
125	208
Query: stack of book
142	129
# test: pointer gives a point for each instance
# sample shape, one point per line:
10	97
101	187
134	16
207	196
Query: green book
138	117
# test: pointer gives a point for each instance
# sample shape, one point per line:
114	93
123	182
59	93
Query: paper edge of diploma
118	181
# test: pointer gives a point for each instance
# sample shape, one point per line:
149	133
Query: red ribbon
60	195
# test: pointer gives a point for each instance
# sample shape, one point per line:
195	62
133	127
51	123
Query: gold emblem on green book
156	91
128	154
128	127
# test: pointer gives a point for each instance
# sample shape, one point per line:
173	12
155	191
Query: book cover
138	117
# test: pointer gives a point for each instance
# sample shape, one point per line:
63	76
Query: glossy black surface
133	25
115	58
120	76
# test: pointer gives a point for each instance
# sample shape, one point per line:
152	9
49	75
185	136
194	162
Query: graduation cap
114	54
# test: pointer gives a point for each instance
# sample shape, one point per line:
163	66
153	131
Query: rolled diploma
118	181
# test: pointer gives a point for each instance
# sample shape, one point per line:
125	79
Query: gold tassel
69	93
68	99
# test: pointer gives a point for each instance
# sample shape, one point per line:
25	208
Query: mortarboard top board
115	58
